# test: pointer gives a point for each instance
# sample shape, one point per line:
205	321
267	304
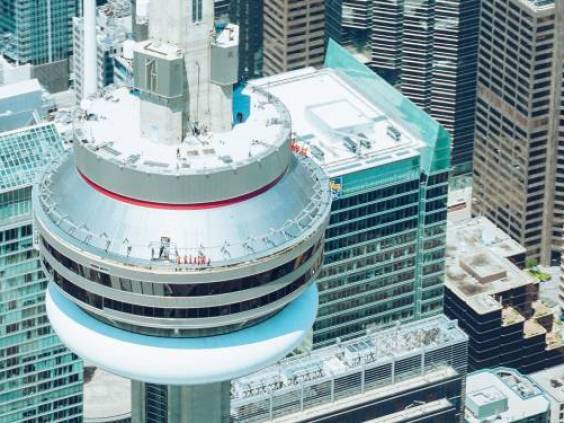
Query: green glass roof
26	151
436	155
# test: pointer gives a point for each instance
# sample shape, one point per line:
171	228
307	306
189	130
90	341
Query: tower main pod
181	246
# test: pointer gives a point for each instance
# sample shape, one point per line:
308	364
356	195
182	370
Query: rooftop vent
394	133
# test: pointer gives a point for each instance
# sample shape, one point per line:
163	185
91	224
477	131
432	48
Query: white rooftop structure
502	396
107	397
476	263
20	88
23	103
429	350
551	381
336	125
12	72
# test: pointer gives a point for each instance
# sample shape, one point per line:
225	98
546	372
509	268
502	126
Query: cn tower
182	235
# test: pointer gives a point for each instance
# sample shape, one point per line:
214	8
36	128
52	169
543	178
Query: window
196	10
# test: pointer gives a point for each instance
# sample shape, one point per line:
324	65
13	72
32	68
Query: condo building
39	34
428	50
40	380
349	22
294	35
113	47
388	164
221	9
495	302
517	177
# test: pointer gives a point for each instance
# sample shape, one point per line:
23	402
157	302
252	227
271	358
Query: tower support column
180	404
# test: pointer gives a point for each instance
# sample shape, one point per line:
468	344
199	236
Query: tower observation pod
182	235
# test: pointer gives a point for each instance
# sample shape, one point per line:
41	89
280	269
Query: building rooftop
329	379
349	357
343	131
20	88
24	151
410	414
539	4
551	381
106	396
265	129
351	399
502	395
23	103
349	119
477	265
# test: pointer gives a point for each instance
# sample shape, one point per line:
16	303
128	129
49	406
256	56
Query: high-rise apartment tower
388	163
248	14
519	148
428	49
294	34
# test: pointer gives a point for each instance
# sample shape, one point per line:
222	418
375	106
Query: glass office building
39	34
40	380
388	162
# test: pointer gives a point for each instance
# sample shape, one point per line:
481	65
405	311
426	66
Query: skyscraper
248	14
349	21
40	34
428	49
40	380
388	162
168	236
221	9
294	35
113	27
519	149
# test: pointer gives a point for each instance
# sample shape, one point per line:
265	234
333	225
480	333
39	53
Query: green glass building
40	380
388	162
39	33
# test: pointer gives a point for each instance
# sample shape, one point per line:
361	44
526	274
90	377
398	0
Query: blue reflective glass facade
385	244
37	32
40	380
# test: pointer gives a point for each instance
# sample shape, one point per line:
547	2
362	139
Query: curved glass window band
101	303
182	290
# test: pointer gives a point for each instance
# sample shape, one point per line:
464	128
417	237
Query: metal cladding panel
181	361
160	76
255	227
225	64
178	188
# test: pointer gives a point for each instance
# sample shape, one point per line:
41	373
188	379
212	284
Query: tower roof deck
110	127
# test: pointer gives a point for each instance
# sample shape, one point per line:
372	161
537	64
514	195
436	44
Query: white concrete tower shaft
189	25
